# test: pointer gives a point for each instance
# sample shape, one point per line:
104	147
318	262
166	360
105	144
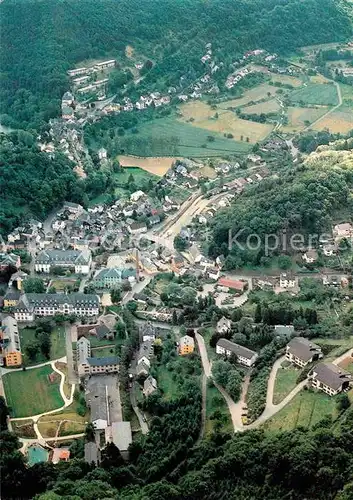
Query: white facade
287	281
241	359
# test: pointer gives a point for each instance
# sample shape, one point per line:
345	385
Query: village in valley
107	307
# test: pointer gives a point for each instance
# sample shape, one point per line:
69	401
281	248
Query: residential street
235	409
138	412
73	379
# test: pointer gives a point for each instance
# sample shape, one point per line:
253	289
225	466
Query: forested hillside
54	35
301	200
296	465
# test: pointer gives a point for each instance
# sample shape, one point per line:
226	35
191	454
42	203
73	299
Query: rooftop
237	349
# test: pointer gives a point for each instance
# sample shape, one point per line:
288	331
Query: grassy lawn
315	93
60	285
57	349
166	383
168	136
103	352
215	401
342	346
285	382
306	409
96	342
30	392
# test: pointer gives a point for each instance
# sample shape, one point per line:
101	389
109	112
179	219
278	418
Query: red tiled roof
235	284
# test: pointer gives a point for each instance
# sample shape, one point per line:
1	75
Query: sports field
30	392
315	93
224	122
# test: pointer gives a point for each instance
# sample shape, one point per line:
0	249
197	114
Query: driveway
138	412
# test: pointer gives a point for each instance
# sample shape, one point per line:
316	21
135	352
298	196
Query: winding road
235	409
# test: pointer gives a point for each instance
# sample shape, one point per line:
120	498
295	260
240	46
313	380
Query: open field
287	80
65	422
342	346
347	94
157	166
57	349
340	120
216	403
285	381
318	79
30	392
306	409
263	107
314	93
254	94
208	172
171	136
226	123
298	116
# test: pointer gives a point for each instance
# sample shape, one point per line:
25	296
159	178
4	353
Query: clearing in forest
129	51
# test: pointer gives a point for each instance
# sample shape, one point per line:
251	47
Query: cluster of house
300	351
324	376
84	81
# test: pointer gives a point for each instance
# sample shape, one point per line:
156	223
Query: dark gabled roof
331	375
63	257
102	330
112	360
303	348
237	349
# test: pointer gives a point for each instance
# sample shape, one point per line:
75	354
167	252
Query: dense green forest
301	200
56	35
301	464
32	183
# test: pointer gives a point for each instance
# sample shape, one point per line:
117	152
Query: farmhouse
80	261
244	355
32	305
330	378
301	351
